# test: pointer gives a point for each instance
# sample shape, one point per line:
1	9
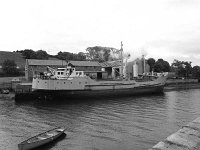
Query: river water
132	123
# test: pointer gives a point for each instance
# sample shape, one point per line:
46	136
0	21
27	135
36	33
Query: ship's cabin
69	72
63	72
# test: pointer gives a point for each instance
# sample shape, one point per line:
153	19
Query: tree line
41	54
181	68
98	53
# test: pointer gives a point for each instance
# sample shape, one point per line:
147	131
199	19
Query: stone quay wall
187	138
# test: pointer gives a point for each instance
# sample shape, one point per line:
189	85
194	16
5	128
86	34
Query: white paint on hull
85	83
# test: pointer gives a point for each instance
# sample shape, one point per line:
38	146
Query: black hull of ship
69	95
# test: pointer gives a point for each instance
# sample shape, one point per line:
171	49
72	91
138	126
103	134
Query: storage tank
135	69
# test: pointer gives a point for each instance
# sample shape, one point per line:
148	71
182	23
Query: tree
65	55
99	53
71	56
29	54
151	62
188	68
81	56
161	66
40	54
9	67
196	72
181	68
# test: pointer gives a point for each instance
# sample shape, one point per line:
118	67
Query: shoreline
187	137
11	95
181	86
170	86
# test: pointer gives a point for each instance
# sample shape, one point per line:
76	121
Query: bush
9	67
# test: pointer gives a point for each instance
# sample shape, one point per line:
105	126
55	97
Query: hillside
17	57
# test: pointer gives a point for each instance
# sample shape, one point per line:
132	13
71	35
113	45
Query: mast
122	58
144	64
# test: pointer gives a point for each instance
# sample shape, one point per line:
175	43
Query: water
133	123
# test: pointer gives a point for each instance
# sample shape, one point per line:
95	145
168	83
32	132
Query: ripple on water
119	123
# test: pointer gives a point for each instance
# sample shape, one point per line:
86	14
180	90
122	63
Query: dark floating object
5	91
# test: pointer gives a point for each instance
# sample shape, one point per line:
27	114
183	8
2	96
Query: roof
85	63
111	64
93	71
37	62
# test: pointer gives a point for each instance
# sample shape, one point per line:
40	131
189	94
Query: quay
23	91
187	138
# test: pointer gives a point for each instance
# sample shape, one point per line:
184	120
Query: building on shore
137	67
90	68
130	69
94	69
112	68
35	66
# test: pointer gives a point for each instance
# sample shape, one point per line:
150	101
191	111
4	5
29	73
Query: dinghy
41	139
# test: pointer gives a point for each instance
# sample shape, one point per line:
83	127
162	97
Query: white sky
168	29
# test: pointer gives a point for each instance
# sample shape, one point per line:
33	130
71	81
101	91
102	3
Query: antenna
144	65
121	46
122	58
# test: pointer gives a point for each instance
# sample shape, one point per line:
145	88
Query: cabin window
58	73
61	73
77	73
80	73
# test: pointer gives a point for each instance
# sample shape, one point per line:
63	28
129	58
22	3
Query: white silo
135	69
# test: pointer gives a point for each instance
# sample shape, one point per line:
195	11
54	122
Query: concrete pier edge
187	138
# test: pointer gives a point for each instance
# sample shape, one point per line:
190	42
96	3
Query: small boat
41	139
5	91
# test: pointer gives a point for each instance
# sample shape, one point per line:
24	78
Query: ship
67	83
